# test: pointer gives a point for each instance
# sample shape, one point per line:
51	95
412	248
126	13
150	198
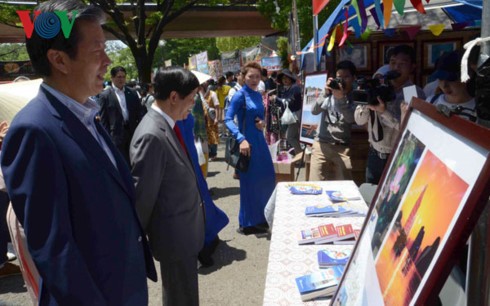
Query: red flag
318	6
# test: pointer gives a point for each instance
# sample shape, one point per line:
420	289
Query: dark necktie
179	136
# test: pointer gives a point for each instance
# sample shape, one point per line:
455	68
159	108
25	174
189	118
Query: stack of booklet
305	188
319	284
328	258
336	210
328	233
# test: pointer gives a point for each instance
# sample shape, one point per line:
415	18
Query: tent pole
478	276
315	43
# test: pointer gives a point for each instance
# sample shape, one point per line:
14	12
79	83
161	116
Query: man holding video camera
381	109
330	159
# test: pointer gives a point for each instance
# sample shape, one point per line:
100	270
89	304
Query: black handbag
233	157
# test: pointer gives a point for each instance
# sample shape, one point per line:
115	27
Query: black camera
334	83
369	90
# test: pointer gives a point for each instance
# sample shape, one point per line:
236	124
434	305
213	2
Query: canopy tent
444	12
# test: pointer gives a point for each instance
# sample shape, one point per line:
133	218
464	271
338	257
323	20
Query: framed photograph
433	50
384	46
405	253
359	54
310	123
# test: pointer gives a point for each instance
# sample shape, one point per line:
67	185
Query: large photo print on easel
310	124
434	184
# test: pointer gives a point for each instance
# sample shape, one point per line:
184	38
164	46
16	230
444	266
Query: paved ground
238	276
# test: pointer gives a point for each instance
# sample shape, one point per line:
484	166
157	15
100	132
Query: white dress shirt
121	97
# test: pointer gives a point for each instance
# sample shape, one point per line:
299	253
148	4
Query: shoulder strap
434	98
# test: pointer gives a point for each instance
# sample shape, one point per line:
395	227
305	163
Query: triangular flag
355	5
332	40
436	29
400	6
390	32
366	34
362	10
378	6
388	5
357	28
412	31
417	4
459	26
346	25
339	32
375	16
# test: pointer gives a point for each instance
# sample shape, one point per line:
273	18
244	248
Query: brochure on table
432	190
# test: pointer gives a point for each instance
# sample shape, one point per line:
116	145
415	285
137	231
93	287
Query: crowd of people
103	180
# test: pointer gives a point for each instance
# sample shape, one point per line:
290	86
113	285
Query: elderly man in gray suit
167	196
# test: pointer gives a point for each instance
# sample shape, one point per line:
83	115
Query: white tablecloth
287	259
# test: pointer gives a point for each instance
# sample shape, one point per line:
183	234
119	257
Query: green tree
134	23
179	50
13	52
226	44
279	15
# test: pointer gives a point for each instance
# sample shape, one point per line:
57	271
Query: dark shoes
207	251
9	269
257	229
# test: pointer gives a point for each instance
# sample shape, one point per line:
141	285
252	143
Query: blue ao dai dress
257	184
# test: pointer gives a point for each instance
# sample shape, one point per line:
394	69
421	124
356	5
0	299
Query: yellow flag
332	39
436	29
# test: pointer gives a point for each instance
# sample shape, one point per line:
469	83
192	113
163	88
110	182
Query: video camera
369	90
334	83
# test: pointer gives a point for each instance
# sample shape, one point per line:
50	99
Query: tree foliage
179	50
13	52
279	15
138	24
226	44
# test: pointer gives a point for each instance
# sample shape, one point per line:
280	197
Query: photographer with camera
289	95
381	110
330	159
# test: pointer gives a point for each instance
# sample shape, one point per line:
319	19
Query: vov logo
47	24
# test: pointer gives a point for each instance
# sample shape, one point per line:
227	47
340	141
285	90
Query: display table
287	259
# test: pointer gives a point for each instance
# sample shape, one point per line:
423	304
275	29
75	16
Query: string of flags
381	14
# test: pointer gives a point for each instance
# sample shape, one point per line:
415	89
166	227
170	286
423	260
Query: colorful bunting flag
375	17
346	26
459	26
388	5
379	12
436	29
417	4
318	6
357	28
355	5
332	40
399	6
366	34
412	31
390	32
338	33
362	10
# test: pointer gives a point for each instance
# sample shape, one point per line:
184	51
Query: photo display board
430	198
310	124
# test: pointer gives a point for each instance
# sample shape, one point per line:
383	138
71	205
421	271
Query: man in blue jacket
70	187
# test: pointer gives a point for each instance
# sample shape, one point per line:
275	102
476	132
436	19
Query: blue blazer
76	207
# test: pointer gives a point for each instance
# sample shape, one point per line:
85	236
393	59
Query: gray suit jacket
167	195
